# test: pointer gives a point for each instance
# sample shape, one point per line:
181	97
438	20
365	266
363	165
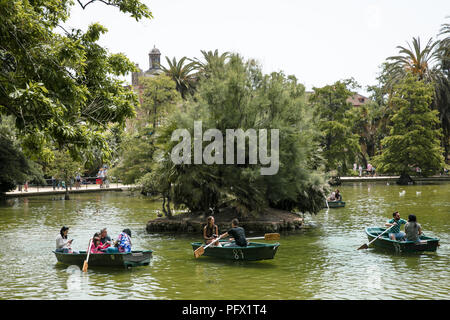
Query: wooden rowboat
254	251
424	244
131	259
335	204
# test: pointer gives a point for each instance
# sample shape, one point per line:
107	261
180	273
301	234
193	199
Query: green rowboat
131	259
424	244
335	204
254	251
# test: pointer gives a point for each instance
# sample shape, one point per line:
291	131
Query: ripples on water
320	262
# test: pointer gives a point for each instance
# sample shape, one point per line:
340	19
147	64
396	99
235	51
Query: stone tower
154	58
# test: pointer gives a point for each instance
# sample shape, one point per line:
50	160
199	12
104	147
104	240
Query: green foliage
63	167
136	156
137	9
159	98
239	95
335	118
213	62
14	167
431	64
413	139
137	148
370	126
183	75
62	89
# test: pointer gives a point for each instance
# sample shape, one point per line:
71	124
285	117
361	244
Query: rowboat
254	251
335	204
131	259
424	244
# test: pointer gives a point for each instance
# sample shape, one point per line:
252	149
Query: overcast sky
318	41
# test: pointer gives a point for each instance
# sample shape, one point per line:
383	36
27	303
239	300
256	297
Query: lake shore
436	178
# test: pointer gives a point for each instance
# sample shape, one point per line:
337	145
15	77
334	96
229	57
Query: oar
267	236
366	245
200	250
85	264
326	201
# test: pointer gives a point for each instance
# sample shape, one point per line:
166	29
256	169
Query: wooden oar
85	264
267	236
366	245
200	250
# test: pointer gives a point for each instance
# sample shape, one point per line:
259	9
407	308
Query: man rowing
238	234
395	223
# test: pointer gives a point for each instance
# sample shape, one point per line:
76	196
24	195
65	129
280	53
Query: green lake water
320	262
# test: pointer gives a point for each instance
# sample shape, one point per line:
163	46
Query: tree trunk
169	212
164	206
66	195
405	179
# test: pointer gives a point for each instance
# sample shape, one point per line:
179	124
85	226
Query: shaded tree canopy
240	96
62	89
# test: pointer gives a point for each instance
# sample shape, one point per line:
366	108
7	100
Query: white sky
318	41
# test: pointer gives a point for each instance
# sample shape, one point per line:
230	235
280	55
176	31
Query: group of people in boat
99	243
211	233
335	196
413	230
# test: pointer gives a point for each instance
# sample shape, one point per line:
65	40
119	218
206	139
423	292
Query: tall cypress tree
414	137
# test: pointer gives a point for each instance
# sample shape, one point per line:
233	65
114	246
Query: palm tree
444	85
428	64
212	61
183	75
415	60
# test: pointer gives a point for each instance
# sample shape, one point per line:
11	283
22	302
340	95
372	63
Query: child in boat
210	231
237	233
96	244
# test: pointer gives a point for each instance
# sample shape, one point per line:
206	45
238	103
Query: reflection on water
320	262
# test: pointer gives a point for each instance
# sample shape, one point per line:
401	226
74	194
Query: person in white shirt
62	243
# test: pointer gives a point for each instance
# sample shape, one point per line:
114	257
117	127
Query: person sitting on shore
62	243
238	234
396	222
122	244
412	229
210	231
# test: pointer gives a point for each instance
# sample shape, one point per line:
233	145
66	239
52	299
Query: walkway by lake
392	178
37	191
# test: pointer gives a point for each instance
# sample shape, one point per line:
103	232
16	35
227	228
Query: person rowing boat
238	234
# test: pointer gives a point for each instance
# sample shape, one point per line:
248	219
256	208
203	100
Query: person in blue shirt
396	222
